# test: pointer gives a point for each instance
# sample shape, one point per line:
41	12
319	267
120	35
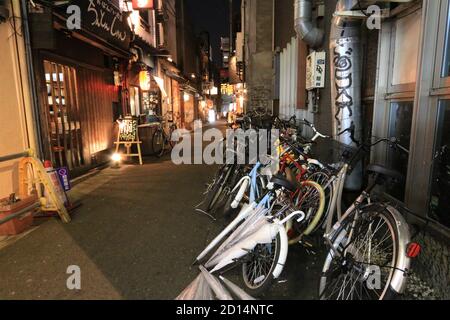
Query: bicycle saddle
280	181
384	171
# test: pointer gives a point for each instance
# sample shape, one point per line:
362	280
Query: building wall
433	264
284	23
259	53
16	126
170	30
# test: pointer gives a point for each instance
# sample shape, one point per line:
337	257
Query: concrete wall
16	128
259	55
284	23
433	264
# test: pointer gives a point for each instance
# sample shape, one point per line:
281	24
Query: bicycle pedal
281	281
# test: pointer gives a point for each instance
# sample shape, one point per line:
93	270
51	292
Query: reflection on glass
446	62
400	127
440	187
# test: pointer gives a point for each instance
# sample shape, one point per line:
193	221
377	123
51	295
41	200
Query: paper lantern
143	4
144	80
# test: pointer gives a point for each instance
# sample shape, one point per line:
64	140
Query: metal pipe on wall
346	79
304	27
31	77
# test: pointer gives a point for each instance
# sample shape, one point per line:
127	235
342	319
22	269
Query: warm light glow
186	97
214	91
142	4
116	157
160	82
193	76
144	80
134	20
241	101
169	59
212	116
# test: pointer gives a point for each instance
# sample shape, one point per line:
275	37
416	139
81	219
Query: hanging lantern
144	80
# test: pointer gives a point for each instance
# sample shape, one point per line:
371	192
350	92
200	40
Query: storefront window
63	115
440	186
406	48
400	123
446	63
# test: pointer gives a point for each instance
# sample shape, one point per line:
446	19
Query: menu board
128	129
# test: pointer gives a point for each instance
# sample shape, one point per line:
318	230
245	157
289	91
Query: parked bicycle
163	137
368	256
369	244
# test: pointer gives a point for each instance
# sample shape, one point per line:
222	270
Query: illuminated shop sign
142	4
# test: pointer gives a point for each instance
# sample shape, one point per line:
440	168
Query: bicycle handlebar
392	142
314	129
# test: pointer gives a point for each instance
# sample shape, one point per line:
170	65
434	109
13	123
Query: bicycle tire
323	178
376	210
172	143
158	143
229	184
215	192
262	287
305	228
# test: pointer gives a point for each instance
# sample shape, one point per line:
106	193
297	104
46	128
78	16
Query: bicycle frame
397	283
244	183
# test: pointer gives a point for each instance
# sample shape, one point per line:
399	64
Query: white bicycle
368	245
255	239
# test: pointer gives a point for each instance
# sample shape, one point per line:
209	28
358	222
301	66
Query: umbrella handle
301	215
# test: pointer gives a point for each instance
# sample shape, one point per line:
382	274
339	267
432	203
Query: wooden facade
78	97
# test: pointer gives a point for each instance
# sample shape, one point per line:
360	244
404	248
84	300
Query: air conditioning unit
315	70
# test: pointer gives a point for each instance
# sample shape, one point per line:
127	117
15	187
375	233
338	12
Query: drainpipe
345	66
304	27
31	78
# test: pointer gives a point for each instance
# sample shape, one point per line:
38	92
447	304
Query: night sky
212	16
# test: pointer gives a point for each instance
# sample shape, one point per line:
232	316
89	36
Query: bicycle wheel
310	200
257	271
219	183
363	267
323	178
172	143
158	143
229	184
